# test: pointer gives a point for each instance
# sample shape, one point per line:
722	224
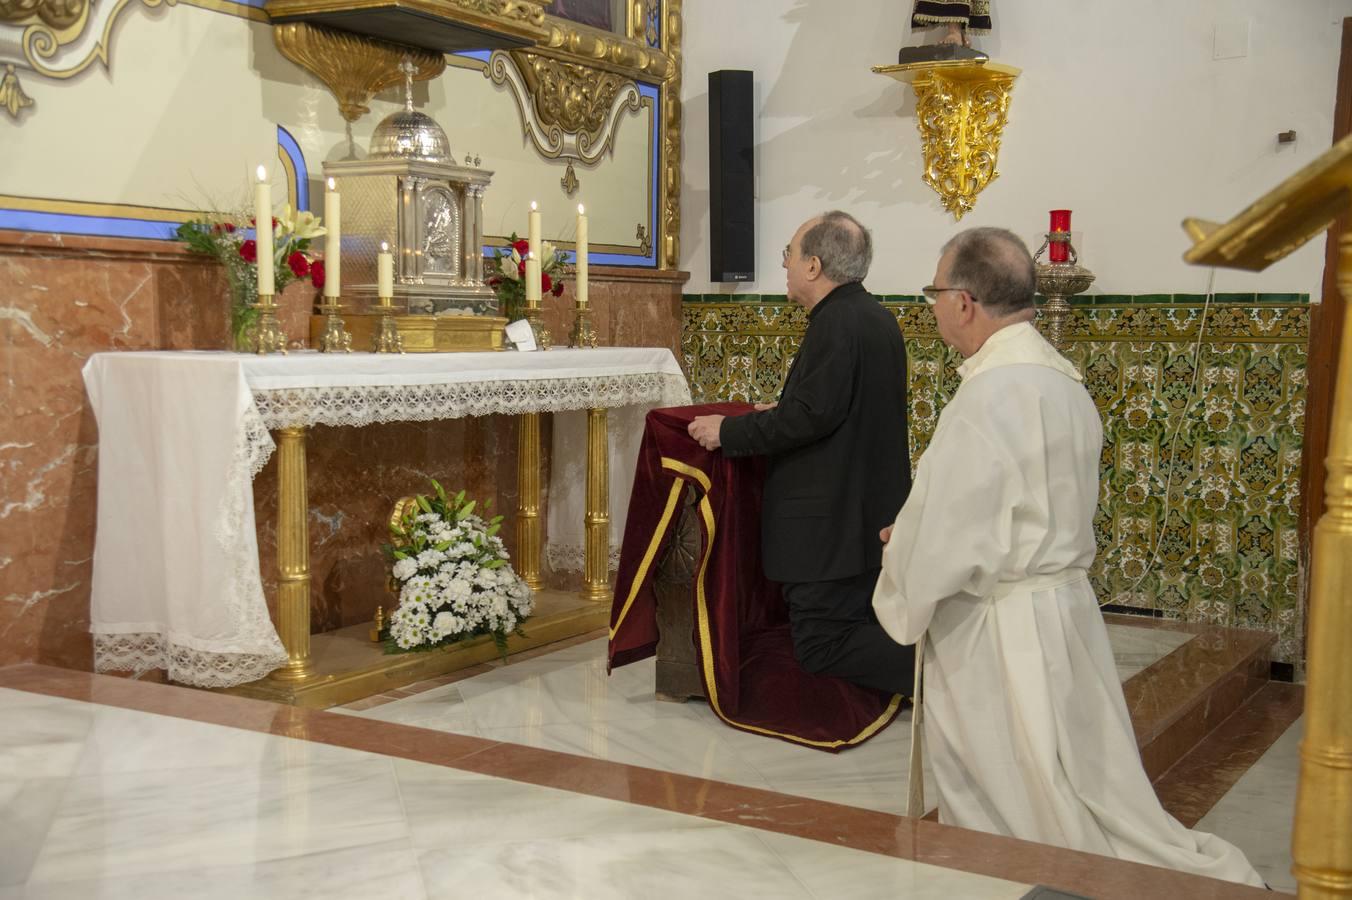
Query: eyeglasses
932	293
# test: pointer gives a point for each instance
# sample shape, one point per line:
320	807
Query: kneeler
743	651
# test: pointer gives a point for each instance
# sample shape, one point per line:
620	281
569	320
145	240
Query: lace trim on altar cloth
568	557
140	652
371	404
256	636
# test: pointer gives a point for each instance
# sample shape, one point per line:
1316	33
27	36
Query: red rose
494	281
521	247
521	268
249	251
274	223
558	289
300	266
546	283
317	273
229	227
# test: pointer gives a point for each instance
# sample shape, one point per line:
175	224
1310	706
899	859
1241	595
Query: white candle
385	271
263	233
332	262
533	231
581	256
533	260
532	281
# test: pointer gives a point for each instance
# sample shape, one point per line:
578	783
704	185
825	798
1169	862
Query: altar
177	583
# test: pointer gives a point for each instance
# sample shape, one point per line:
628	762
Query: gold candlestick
387	339
543	339
268	336
335	338
378	625
583	334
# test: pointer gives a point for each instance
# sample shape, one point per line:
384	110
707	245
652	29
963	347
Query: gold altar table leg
596	574
528	524
293	555
1321	845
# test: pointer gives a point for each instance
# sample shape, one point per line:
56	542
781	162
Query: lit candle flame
333	185
262	174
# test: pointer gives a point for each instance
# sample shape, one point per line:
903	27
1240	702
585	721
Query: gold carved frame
576	71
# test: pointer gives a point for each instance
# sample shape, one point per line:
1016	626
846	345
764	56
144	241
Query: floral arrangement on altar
509	281
453	576
229	239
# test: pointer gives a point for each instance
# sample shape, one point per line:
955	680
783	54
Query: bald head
844	246
994	266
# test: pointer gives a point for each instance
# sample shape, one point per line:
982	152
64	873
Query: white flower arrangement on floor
453	577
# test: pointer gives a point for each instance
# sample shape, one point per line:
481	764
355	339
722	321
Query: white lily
303	226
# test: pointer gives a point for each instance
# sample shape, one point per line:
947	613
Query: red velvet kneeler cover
742	642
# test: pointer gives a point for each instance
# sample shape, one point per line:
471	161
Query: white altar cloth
182	433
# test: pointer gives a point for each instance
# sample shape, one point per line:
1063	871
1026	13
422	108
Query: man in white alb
1025	723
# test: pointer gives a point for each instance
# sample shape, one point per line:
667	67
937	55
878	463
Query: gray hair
844	247
994	266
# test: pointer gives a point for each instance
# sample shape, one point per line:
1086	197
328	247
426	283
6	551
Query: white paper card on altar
519	333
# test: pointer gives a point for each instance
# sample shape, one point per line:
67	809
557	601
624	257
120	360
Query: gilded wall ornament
669	246
609	51
569	181
961	112
56	39
649	52
567	110
12	97
354	68
573	97
56	13
445	25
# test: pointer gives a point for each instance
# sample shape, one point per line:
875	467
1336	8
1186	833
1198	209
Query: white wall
1122	114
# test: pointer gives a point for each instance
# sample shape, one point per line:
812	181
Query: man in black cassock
839	463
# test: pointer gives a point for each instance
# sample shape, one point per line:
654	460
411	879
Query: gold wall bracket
355	68
1298	210
961	109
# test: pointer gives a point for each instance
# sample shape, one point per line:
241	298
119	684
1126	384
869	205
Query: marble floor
97	801
541	778
1256	813
564	701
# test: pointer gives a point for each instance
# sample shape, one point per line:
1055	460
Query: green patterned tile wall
1203	418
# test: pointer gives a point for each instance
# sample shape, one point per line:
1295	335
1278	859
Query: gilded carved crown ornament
568	110
55	39
572	97
961	109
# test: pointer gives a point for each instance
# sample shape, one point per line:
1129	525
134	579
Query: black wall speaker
732	178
